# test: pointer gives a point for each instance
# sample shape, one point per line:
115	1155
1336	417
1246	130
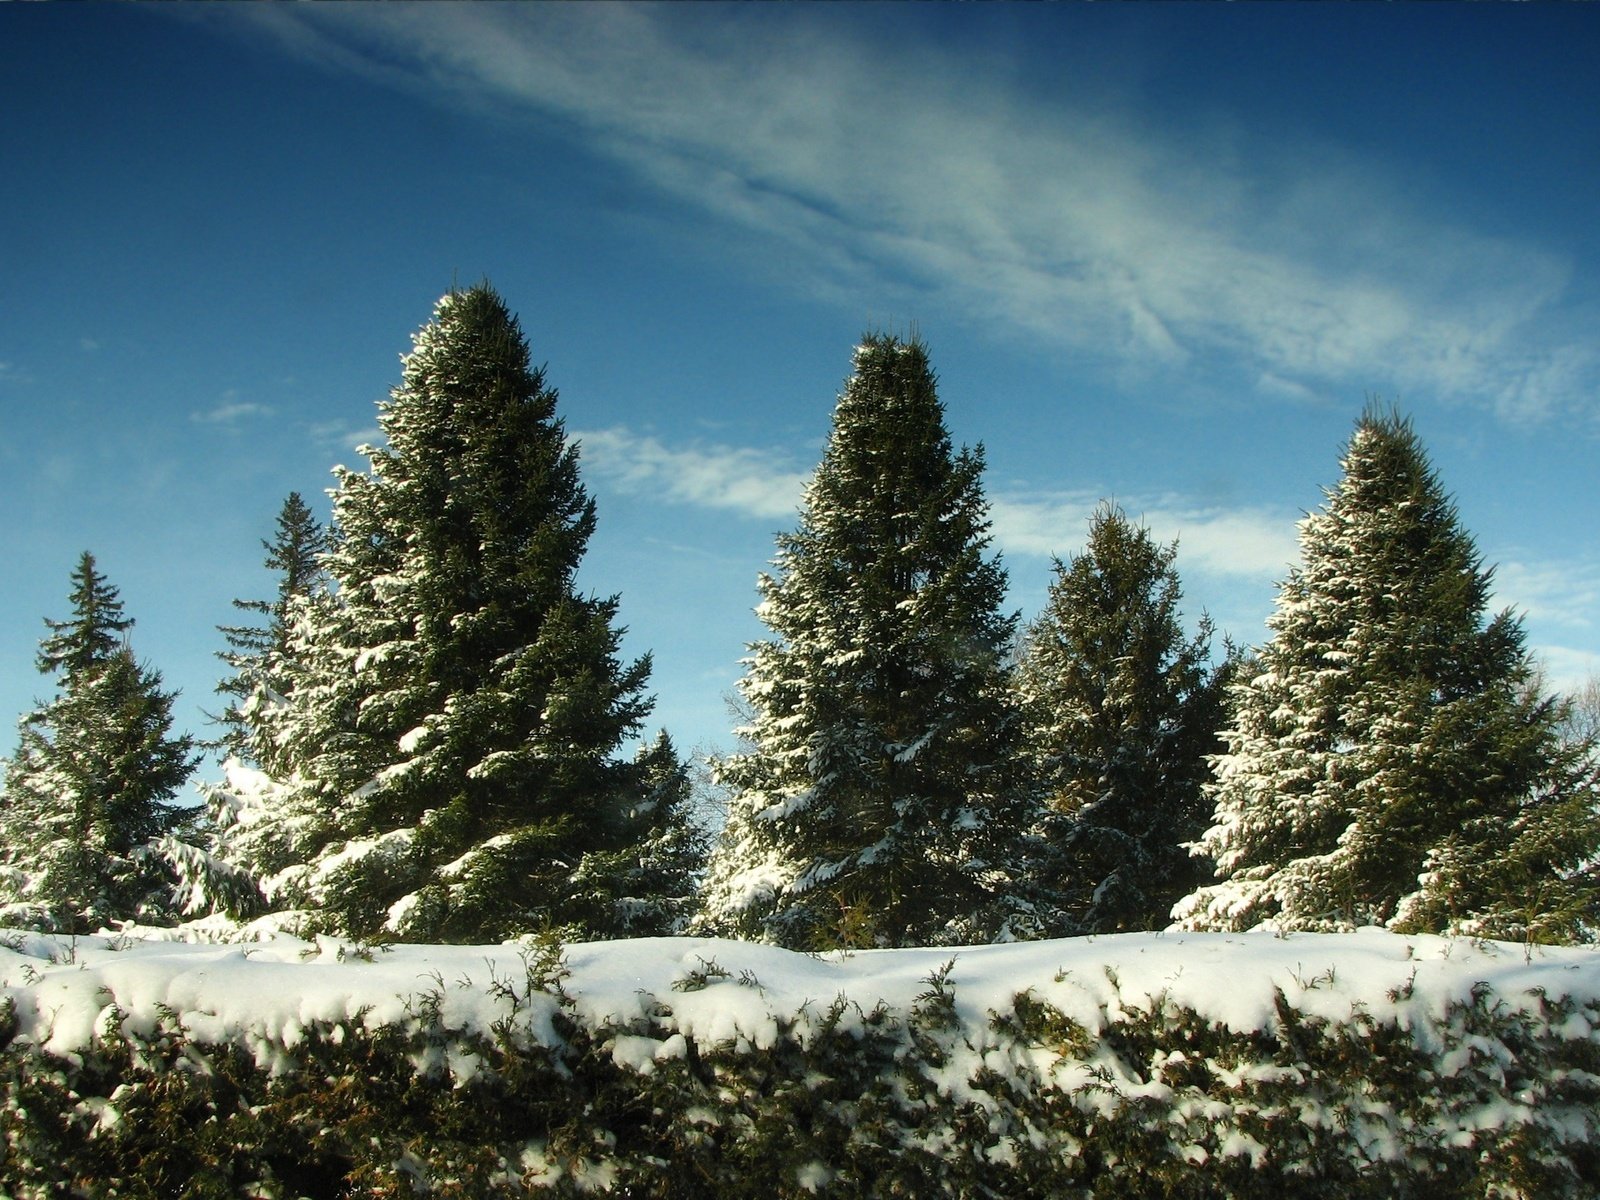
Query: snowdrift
1139	1065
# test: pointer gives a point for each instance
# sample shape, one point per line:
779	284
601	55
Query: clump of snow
725	991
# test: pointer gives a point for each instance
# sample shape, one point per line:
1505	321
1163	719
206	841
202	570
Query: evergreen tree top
478	472
92	636
891	506
471	355
889	416
1387	551
1385	460
297	551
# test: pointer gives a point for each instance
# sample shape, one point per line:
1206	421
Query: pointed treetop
91	637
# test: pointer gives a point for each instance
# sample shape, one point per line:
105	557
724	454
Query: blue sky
1159	253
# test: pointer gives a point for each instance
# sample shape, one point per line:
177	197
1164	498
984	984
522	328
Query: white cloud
1551	593
1566	669
1246	542
230	412
342	435
1087	231
764	483
755	483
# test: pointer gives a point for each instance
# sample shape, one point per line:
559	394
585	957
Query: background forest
432	734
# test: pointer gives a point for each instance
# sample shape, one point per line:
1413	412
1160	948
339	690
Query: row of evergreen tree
426	727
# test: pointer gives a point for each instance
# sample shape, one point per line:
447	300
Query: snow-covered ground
267	993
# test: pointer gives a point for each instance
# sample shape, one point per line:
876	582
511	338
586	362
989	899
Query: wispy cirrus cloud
1566	669
753	483
230	412
1247	542
1562	593
1293	267
339	436
767	484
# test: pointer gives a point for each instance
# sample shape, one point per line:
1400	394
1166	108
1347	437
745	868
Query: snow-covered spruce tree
880	799
1390	759
1124	710
254	819
89	833
256	651
446	762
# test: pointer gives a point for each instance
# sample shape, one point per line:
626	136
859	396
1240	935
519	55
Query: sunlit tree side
1390	760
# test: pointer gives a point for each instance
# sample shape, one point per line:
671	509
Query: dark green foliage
88	808
1149	1102
1391	759
1123	712
449	738
82	644
647	886
883	778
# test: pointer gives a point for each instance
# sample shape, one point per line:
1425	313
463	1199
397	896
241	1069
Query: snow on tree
445	765
879	800
89	833
1391	760
1124	711
255	651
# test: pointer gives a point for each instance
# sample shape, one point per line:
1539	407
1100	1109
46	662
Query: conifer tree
256	651
85	642
648	886
87	819
1391	760
880	800
447	753
1123	712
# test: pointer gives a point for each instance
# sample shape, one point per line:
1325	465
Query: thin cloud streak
1248	543
763	484
1089	233
1565	593
230	413
751	483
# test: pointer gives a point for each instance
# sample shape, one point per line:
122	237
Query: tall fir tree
1391	759
1124	710
89	831
880	800
446	759
256	651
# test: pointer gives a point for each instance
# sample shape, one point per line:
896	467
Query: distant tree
648	887
447	755
1390	761
89	833
881	797
1124	711
1582	725
255	651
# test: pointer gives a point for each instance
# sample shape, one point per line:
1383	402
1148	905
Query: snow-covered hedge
1134	1066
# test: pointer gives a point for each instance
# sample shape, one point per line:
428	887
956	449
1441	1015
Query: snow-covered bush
1365	1065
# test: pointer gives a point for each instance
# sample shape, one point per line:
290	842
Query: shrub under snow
1141	1065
